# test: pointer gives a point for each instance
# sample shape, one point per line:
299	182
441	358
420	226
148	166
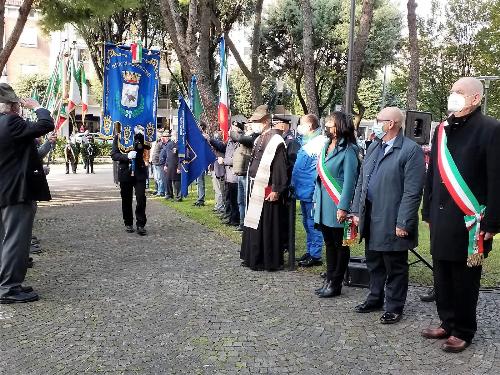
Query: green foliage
241	96
282	43
29	84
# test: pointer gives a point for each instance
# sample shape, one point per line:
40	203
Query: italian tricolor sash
464	198
334	190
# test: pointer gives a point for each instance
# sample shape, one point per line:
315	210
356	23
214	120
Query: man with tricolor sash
262	242
387	200
462	207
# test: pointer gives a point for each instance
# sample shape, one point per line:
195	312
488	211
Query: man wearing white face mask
385	206
303	182
462	207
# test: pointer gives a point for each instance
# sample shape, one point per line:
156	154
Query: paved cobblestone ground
177	302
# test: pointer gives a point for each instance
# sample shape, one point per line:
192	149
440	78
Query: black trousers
457	292
177	189
388	279
126	191
337	256
89	165
232	209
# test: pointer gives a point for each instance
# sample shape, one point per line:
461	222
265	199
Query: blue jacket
397	193
304	171
343	164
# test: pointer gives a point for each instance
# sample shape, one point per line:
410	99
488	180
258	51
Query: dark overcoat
397	194
474	144
124	170
22	178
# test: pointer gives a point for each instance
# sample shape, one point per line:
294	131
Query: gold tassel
475	260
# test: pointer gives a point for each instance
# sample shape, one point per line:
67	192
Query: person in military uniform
70	155
88	153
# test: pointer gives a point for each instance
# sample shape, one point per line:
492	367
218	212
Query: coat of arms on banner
130	89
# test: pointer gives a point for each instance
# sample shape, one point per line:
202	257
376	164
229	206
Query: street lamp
487	80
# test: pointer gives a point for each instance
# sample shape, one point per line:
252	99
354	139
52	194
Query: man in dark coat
261	246
131	180
385	206
473	141
173	170
22	183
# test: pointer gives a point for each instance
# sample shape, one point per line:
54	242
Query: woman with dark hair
335	184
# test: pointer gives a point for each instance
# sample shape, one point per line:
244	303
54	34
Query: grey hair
5	107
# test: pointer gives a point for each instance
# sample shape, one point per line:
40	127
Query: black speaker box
357	273
418	126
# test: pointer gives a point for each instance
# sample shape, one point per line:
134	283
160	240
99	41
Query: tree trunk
360	45
24	11
298	82
309	70
252	73
413	82
2	23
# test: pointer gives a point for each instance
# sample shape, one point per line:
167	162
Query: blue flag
198	154
130	94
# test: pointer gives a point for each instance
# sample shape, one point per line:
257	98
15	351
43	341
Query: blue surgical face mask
378	129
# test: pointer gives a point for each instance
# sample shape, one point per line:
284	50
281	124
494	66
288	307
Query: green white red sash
334	190
463	197
331	185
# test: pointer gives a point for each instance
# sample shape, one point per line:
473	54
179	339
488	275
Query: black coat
124	171
21	172
172	163
474	143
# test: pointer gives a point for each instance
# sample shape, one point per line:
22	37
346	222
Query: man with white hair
385	206
462	207
22	183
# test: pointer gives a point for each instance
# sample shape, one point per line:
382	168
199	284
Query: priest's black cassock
262	248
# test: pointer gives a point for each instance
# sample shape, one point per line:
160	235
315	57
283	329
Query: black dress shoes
429	297
319	290
310	262
141	231
366	308
129	229
19	297
30	262
390	318
304	257
329	291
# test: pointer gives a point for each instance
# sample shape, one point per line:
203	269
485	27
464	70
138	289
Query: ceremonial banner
198	153
224	92
130	94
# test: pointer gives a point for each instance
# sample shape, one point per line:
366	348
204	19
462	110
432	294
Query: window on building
29	37
28	69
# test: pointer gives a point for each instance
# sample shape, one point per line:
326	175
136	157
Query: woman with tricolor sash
338	166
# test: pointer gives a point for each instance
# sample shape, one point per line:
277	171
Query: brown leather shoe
435	333
455	345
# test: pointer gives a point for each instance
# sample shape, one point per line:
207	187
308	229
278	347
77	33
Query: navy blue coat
397	195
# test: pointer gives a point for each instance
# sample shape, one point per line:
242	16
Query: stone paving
177	302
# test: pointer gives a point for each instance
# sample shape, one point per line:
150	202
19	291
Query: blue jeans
314	236
201	188
242	196
158	175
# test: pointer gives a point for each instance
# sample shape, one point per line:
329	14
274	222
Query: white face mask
456	102
378	129
256	128
302	129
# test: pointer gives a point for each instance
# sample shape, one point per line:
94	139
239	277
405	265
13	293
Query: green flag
196	104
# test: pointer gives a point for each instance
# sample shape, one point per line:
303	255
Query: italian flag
85	94
62	118
74	98
224	97
136	49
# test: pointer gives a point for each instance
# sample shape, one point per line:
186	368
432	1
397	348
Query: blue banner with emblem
130	94
198	154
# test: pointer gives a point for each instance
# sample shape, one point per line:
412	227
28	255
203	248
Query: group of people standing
87	148
380	197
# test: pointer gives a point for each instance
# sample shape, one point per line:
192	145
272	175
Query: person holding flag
132	174
337	167
462	207
262	245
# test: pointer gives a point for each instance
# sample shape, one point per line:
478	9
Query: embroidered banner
130	94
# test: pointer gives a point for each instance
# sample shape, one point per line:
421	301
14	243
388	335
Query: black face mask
280	132
330	136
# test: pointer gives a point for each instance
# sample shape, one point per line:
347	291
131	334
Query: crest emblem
130	89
